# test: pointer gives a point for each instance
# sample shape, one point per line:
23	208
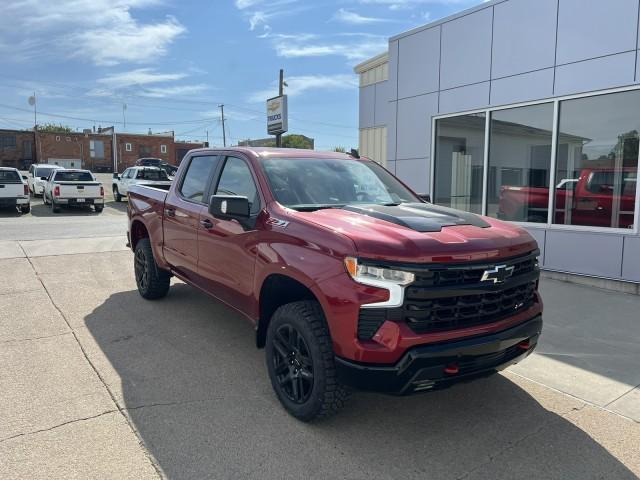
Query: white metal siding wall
373	144
375	75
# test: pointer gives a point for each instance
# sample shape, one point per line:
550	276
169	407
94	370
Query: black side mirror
24	177
425	197
116	175
229	207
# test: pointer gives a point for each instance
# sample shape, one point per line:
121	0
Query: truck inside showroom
521	110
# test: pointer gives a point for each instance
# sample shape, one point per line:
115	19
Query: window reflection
599	158
459	162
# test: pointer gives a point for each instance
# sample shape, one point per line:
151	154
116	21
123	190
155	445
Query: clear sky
172	62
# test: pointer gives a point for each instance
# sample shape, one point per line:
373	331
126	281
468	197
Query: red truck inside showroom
350	278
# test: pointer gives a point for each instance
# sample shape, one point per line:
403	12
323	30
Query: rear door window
197	178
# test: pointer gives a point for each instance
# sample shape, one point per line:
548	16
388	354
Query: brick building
16	148
88	149
76	150
132	146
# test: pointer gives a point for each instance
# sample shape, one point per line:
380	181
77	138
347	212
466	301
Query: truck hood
422	233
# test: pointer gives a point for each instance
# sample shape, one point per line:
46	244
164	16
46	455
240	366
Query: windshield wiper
313	207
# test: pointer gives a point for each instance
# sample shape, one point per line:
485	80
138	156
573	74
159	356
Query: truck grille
452	297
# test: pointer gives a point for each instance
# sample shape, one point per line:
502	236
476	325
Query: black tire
152	282
116	194
98	208
24	209
55	207
301	364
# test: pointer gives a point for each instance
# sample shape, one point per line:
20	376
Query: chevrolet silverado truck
591	199
14	191
348	277
73	188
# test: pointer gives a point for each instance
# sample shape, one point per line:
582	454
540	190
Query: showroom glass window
597	160
459	162
520	163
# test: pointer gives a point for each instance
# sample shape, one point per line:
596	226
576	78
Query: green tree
53	128
296	141
340	149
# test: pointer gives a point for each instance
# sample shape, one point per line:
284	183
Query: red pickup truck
350	279
591	199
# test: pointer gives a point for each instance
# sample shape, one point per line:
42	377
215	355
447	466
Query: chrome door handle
170	212
206	224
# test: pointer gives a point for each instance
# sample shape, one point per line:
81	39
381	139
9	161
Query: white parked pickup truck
138	176
14	191
38	175
73	188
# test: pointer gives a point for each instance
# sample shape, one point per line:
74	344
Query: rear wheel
116	194
24	209
152	282
98	208
301	364
55	207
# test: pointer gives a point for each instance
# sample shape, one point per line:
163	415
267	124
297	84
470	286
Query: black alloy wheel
140	267
292	364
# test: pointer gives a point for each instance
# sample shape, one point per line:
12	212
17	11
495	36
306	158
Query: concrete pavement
98	383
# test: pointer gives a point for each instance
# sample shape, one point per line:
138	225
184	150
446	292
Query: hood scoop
421	217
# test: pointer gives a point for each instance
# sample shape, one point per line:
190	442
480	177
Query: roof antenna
354	153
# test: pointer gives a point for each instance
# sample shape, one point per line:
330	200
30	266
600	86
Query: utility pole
280	93
124	119
224	132
207	137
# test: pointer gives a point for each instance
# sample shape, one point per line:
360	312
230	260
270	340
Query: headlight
392	280
368	273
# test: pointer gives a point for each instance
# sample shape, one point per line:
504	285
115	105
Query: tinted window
43	172
66	176
9	176
197	176
305	183
236	179
152	175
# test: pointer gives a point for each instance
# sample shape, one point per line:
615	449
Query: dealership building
526	110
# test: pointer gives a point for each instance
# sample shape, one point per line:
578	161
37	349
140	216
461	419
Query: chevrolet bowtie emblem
498	274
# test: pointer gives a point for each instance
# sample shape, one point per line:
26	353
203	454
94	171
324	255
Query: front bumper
430	367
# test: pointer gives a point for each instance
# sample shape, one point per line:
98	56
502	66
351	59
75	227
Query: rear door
226	248
182	212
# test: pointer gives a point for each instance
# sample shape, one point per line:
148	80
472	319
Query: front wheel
301	364
116	194
152	282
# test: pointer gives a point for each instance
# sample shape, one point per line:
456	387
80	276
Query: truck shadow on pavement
186	371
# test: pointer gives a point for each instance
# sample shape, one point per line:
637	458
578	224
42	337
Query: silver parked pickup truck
73	188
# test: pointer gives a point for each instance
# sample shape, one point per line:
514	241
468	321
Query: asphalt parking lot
98	383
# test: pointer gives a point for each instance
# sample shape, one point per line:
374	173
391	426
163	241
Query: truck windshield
63	176
309	184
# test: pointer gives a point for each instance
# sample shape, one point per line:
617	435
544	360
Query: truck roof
271	152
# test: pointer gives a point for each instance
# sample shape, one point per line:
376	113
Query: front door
227	250
182	213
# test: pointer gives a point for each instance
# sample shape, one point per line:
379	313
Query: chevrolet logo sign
273	106
498	274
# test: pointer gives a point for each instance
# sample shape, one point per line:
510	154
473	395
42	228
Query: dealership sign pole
277	113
